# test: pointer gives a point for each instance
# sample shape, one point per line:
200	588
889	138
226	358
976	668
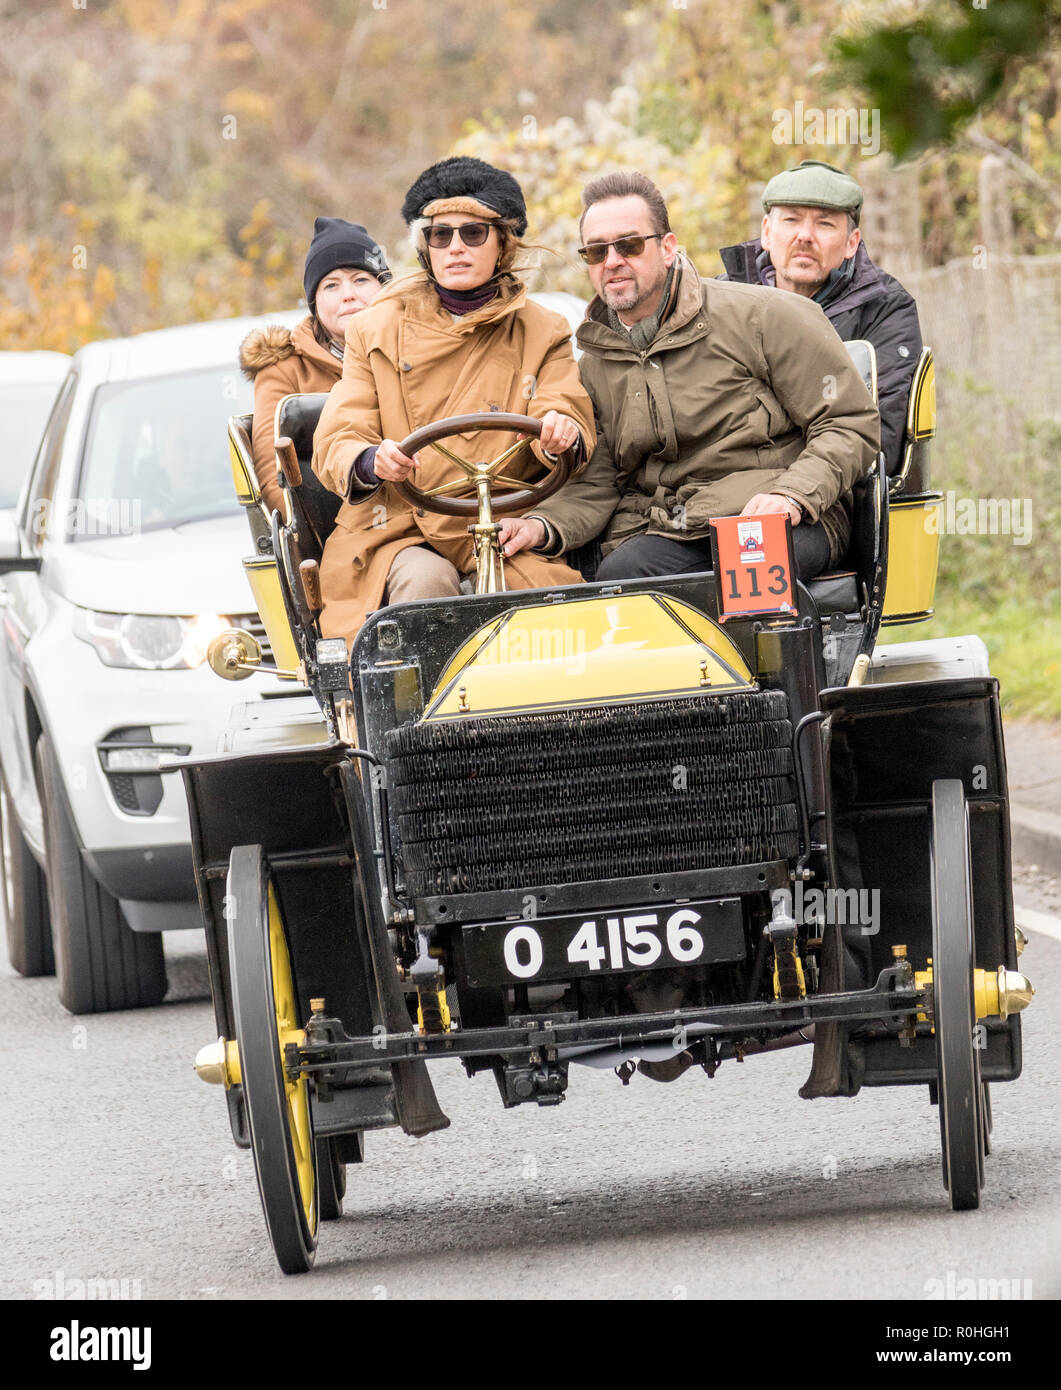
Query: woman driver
458	336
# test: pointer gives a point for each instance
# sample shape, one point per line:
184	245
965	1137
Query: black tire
331	1178
278	1111
958	1059
25	897
100	962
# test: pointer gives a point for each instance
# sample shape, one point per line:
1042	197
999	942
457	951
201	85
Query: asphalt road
118	1165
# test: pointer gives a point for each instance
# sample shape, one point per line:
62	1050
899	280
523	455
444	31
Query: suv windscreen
24	409
157	452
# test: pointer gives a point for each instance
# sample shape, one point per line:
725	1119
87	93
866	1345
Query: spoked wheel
267	1019
961	1115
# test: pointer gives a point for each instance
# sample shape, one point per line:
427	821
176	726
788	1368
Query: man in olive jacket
712	399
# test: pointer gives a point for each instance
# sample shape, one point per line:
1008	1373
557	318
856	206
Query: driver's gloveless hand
391	464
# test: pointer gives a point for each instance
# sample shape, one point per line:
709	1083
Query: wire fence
994	322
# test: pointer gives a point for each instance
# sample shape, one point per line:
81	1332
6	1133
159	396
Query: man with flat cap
811	245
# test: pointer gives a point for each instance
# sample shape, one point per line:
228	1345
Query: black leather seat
841	590
835	592
314	507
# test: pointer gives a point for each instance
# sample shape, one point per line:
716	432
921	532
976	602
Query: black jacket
870	305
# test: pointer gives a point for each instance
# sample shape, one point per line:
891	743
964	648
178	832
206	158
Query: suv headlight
147	642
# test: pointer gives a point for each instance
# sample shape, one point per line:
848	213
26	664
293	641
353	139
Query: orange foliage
56	298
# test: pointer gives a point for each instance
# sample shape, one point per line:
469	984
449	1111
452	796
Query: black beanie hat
464	177
338	244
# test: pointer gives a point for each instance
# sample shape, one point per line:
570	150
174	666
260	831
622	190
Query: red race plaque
754	565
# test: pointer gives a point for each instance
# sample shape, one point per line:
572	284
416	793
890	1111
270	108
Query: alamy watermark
80	1343
87	516
836	125
982	516
956	1286
522	646
831	907
62	1286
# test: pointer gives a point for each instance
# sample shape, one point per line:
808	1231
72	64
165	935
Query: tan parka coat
281	362
743	390
408	363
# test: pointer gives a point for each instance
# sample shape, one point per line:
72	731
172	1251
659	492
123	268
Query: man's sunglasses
439	235
627	246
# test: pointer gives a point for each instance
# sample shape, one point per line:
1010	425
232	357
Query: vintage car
649	825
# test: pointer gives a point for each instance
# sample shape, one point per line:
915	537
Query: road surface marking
1043	923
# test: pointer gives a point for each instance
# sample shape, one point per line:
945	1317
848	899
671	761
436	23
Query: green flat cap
814	184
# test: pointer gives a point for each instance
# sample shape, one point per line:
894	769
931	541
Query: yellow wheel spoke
448	487
503	458
505	478
467	467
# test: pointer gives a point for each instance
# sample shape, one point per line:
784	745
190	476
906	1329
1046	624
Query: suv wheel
101	963
25	897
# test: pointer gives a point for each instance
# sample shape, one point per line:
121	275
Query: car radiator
581	795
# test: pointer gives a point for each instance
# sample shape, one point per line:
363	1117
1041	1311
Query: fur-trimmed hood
281	362
265	347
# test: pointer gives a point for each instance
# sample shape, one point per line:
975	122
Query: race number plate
640	938
754	565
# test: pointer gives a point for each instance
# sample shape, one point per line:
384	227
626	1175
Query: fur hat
338	244
463	184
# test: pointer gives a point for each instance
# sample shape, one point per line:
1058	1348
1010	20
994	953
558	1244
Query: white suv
29	382
120	562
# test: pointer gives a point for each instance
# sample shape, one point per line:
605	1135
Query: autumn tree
197	140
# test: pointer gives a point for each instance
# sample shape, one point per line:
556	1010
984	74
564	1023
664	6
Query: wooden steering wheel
480	478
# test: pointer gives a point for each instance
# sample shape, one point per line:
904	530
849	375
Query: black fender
884	747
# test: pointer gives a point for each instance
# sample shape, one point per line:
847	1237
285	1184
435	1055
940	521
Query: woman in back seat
345	270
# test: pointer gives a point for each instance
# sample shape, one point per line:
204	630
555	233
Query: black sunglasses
439	236
627	246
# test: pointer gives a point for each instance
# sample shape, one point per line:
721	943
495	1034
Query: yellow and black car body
599	824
